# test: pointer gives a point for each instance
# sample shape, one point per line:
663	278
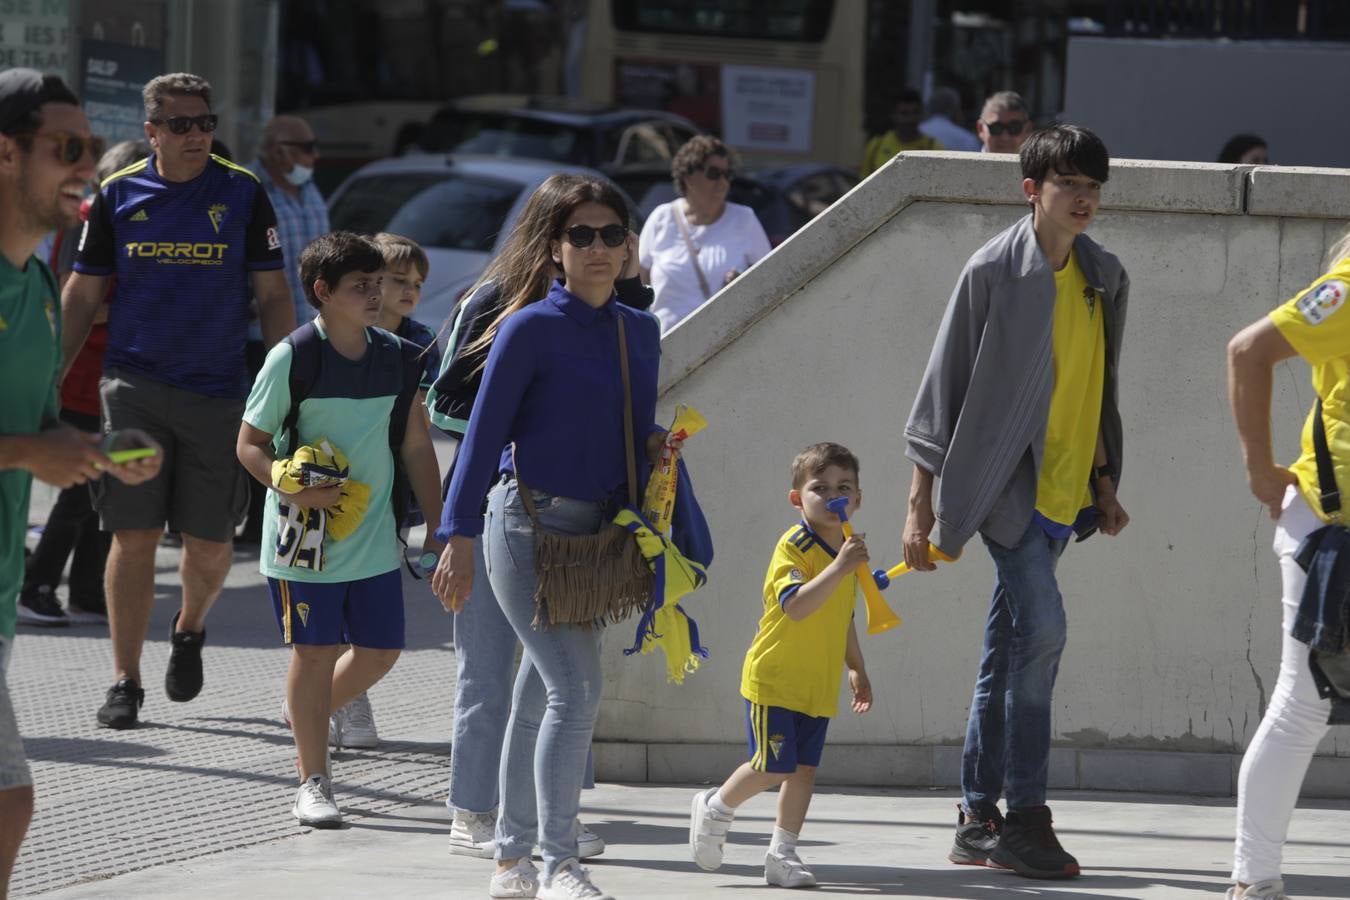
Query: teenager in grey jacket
1017	415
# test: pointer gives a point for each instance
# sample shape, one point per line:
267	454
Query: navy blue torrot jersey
181	253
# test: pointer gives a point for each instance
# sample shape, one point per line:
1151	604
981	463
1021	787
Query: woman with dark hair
1245	148
550	412
485	643
696	244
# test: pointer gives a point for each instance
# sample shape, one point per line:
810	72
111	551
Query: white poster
768	109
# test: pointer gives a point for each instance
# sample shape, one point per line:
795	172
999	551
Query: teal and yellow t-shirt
30	361
349	407
1317	326
798	665
1079	340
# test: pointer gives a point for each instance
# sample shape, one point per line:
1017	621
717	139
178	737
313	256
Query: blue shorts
367	613
783	739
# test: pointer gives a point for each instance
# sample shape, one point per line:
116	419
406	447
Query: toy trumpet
880	617
885	577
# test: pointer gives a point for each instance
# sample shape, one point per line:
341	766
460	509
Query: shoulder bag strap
693	251
629	455
1326	471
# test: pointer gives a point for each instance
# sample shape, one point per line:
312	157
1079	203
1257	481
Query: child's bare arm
858	682
812	595
424	476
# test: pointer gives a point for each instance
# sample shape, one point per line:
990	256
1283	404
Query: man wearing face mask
285	166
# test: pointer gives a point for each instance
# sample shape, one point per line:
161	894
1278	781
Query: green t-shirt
30	361
349	405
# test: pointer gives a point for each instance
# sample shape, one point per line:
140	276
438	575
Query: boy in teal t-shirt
330	548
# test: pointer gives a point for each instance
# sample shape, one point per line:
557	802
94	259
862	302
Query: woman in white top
693	246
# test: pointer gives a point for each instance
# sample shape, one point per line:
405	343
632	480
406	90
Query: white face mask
299	175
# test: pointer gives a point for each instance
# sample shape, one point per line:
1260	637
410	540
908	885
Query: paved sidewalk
196	802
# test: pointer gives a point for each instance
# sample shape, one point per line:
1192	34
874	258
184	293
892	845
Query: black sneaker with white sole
122	706
38	606
977	834
1029	847
183	678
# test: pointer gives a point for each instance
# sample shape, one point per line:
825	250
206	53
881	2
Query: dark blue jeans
1008	736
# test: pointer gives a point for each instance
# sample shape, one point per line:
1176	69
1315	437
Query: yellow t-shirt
1315	324
798	665
881	148
1076	400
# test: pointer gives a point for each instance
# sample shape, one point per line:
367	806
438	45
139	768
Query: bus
780	80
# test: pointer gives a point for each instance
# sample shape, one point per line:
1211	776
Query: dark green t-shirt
30	361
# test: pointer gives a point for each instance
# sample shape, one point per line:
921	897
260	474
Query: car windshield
498	135
437	209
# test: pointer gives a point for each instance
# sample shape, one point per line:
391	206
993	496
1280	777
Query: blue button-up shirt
299	221
552	386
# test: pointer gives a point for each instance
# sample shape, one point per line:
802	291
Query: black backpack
306	362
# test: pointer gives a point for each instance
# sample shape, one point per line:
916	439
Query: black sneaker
1029	847
183	678
39	606
122	706
87	612
976	835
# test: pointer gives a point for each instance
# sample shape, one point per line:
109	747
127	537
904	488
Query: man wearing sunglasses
1004	125
186	234
47	158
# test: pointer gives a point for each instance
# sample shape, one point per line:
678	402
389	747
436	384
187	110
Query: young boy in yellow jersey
791	675
1025	360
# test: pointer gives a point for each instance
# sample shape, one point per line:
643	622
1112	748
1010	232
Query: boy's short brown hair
330	256
819	457
400	252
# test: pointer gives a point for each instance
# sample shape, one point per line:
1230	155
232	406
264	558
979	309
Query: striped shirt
299	221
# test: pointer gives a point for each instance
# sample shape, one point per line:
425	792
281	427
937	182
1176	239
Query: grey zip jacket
979	420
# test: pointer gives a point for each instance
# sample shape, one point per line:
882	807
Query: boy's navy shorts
783	739
367	613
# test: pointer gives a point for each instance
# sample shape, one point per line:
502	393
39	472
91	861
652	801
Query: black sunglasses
712	173
303	146
183	124
582	236
1013	127
70	147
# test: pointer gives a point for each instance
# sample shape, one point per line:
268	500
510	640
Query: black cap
24	90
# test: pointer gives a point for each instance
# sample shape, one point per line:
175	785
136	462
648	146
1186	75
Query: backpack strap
306	353
1326	470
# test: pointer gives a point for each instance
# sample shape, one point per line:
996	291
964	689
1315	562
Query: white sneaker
358	724
707	832
589	843
521	880
336	732
787	870
571	882
474	834
314	804
1270	889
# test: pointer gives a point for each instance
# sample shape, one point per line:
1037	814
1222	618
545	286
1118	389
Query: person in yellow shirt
1315	326
906	114
790	680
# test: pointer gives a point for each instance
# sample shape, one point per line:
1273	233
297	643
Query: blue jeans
557	690
1008	736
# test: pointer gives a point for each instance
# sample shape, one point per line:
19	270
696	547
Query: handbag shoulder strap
693	251
630	456
1326	471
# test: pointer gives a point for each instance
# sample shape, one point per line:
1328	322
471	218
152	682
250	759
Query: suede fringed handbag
591	579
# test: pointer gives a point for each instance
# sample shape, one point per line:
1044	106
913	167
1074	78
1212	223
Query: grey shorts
13	766
201	490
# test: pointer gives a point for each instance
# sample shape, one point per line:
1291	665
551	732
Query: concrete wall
1183	99
1173	626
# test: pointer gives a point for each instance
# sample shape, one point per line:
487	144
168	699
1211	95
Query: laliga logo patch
776	745
302	610
1320	302
216	213
796	575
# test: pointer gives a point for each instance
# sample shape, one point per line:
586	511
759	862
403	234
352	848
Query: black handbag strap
528	502
1326	470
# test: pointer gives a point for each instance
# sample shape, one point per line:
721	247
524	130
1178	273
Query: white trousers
1295	722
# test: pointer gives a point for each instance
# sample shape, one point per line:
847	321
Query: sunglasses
582	236
303	146
712	173
1013	127
70	147
183	124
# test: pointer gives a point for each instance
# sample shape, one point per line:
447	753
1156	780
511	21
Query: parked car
784	198
459	208
581	134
